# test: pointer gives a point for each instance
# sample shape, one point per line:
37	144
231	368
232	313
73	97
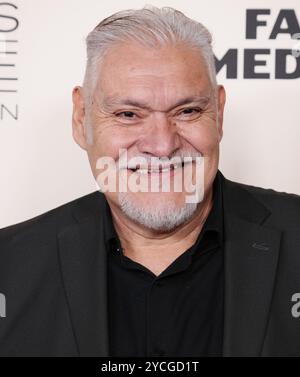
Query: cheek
204	138
108	142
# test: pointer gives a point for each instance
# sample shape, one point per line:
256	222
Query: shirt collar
215	219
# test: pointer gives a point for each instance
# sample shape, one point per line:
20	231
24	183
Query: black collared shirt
177	313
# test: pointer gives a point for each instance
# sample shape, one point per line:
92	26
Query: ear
221	95
78	117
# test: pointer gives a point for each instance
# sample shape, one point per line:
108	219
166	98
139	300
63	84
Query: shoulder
45	227
284	206
272	197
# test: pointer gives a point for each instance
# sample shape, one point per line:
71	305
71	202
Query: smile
157	170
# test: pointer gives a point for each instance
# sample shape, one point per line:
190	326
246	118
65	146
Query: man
147	272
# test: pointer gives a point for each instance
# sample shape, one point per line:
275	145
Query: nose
160	138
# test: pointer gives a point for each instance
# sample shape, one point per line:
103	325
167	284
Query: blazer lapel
251	254
82	256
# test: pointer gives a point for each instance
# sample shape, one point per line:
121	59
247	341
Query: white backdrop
42	168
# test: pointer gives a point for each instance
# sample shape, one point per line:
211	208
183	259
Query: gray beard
164	217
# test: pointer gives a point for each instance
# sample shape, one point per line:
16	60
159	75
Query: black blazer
53	275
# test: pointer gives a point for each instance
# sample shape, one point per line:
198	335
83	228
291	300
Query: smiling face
153	103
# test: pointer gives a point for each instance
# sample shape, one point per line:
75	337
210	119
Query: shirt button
159	284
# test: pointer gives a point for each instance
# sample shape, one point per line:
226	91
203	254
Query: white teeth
163	170
142	171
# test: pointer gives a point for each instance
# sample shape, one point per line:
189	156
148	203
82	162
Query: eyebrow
109	102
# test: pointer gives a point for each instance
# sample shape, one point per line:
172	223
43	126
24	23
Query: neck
157	250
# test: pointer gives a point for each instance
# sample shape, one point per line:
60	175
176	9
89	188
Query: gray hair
148	26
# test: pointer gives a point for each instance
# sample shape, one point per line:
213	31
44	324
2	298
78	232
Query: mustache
146	161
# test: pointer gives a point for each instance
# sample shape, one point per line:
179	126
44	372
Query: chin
159	213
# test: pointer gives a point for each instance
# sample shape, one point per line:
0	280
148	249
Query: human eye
128	115
189	113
